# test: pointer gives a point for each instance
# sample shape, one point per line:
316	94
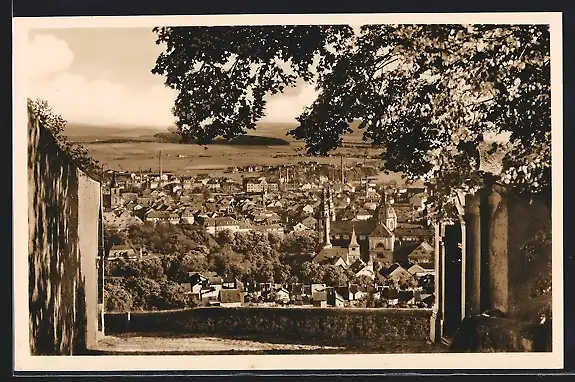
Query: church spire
331	205
326	227
353	241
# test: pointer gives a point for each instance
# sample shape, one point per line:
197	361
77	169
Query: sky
103	76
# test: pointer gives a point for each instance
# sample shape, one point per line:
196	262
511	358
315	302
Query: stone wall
63	221
493	334
526	220
333	325
517	259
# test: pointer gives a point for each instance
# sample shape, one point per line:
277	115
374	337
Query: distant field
128	148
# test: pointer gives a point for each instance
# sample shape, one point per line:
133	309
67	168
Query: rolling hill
265	134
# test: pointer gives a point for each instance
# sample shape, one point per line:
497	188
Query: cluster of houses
209	289
357	222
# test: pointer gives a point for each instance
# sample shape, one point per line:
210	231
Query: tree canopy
56	124
432	96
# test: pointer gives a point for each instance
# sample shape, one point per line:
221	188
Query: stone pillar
497	254
472	255
438	305
463	266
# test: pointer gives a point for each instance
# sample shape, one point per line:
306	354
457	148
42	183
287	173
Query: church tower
386	214
331	205
326	221
353	252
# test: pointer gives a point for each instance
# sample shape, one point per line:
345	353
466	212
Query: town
371	240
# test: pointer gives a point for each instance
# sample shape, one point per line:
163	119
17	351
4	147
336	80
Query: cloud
48	55
81	98
93	101
78	99
284	108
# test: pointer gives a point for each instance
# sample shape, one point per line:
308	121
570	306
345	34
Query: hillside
265	134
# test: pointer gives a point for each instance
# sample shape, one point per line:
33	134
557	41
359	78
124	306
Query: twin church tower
376	233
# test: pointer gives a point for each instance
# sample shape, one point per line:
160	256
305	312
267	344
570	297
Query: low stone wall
333	325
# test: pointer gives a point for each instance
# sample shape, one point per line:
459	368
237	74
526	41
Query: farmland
136	148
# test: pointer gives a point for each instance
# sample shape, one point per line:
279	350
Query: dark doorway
453	287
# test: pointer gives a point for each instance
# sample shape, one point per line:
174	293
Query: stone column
463	266
497	255
438	305
472	255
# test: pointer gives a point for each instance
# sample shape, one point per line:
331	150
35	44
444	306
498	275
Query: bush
117	299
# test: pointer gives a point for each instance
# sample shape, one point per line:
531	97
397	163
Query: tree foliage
56	124
433	96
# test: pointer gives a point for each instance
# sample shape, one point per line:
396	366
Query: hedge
333	325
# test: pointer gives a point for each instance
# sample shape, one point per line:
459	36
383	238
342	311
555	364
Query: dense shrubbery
333	325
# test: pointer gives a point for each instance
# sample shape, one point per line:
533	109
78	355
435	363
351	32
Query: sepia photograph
359	191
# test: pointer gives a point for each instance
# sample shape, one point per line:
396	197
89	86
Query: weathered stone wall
515	270
526	220
492	334
63	239
332	325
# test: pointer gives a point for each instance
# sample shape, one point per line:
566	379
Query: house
335	261
187	184
414	233
130	197
230	186
120	221
418	271
360	268
230	282
197	283
231	297
357	292
156	216
213	225
282	295
307	209
405	211
296	291
122	251
314	288
244	226
422	254
275	204
253	288
211	290
299	227
188	215
259	185
326	253
213	184
362	214
319	299
335	299
309	222
269	228
395	272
